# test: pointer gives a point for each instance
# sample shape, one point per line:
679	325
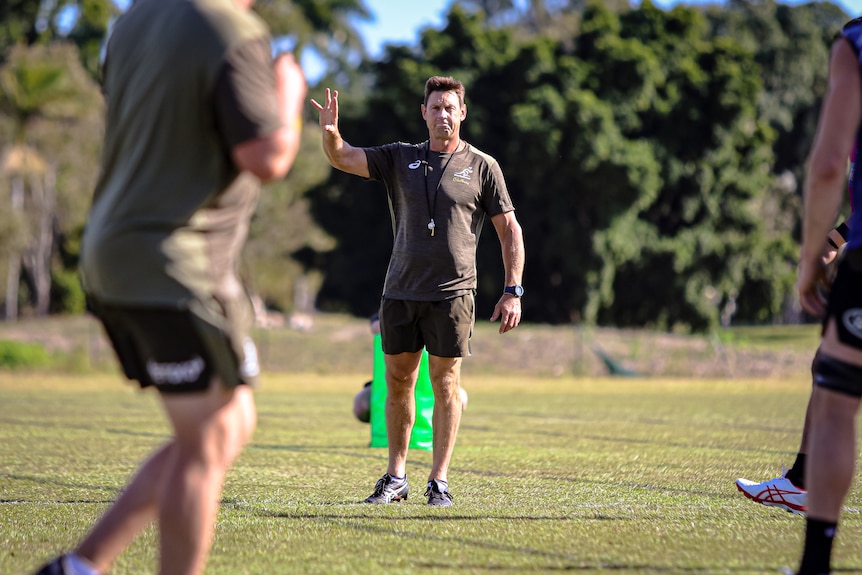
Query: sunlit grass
550	474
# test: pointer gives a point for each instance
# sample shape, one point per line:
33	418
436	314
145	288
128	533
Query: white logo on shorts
176	373
250	365
852	320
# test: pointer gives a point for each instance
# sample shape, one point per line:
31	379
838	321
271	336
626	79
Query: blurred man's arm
270	157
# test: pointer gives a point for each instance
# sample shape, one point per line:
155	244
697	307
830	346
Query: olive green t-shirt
184	82
457	191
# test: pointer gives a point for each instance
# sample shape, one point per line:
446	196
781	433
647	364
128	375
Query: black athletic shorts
178	351
442	327
845	299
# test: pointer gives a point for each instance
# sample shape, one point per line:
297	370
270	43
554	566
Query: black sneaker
438	493
56	567
388	490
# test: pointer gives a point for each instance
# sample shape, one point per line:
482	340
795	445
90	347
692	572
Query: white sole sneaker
777	492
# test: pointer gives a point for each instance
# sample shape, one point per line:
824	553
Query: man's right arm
270	157
341	155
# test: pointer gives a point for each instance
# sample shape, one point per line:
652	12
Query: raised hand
328	111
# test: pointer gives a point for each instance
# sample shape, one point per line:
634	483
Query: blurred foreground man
197	114
838	367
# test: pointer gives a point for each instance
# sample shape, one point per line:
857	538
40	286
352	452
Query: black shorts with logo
442	327
178	351
845	299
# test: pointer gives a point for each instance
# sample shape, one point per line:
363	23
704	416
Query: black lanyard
432	207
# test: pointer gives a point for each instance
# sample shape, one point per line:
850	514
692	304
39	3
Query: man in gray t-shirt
440	192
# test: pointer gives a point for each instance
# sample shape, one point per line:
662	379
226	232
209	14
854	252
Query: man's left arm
508	308
840	117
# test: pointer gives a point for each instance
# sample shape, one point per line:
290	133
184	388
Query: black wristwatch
517	291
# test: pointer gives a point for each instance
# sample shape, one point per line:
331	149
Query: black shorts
178	351
845	299
442	327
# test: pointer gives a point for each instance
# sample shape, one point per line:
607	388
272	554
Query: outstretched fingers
328	111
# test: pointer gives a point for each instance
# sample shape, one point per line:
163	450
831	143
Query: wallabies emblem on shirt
464	175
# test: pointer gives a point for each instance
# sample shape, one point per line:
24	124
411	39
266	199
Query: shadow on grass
49	481
81	427
566	561
629	421
352	453
635	567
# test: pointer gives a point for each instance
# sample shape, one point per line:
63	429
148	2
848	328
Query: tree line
654	156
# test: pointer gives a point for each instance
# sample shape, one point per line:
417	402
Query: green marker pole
422	436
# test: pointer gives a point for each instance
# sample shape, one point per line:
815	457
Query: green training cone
421	437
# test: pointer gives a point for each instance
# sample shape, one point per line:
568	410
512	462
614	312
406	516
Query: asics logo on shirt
414	165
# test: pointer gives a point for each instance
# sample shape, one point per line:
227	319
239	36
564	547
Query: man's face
443	114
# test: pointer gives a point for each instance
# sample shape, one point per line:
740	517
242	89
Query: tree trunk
39	254
13	273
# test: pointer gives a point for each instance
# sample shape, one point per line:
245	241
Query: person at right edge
838	367
198	114
787	491
439	193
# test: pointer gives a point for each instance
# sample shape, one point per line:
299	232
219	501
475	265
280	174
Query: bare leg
796	473
806	427
401	373
210	431
832	444
128	516
832	457
180	483
831	450
445	375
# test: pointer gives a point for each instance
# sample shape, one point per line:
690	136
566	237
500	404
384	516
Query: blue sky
399	21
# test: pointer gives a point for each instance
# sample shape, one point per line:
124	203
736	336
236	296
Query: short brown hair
444	84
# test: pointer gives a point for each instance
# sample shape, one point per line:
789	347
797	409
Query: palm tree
324	26
36	83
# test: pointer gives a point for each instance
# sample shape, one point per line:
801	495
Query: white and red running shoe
776	492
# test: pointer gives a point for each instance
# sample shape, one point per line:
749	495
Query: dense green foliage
640	155
17	354
654	156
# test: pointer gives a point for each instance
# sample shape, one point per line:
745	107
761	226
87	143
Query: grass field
588	475
341	344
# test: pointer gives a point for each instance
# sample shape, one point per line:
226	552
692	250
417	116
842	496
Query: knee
446	380
838	376
239	431
398	377
399	384
223	443
228	433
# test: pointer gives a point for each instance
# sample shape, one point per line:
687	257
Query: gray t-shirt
456	191
184	83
